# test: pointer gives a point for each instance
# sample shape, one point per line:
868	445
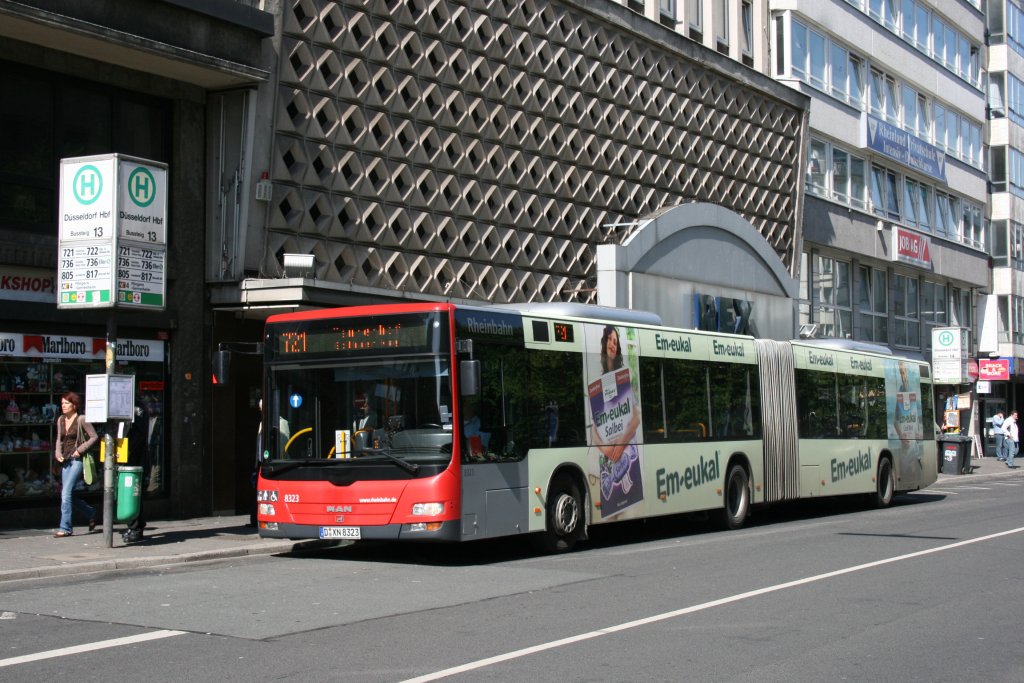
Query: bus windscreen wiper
410	467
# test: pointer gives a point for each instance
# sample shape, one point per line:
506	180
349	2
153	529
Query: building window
667	12
884	99
830	297
960	310
1015	166
885	198
747	35
917	204
934	309
839	63
695	19
972	228
843	180
947	212
856	73
722	28
884	12
816	164
874	320
906	311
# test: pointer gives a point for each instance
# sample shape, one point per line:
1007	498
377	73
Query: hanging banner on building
907	149
113	233
911	247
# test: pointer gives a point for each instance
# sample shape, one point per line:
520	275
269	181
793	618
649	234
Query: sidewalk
34	553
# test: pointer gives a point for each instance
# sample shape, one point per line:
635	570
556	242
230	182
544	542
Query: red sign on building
993	368
911	247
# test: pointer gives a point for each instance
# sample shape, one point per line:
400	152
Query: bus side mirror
221	366
469	377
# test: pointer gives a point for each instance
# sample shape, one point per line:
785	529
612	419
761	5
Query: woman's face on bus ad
612	345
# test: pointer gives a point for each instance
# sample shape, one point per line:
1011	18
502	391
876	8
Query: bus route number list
140	274
86	274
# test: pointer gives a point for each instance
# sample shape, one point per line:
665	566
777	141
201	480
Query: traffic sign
112	204
142	210
86	200
86	275
140	275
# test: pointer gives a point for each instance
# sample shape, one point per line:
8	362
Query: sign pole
108	439
112	253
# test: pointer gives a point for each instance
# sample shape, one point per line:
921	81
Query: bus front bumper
449	531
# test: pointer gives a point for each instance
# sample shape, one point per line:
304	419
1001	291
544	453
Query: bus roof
574	310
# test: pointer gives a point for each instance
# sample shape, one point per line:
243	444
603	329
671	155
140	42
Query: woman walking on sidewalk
75	437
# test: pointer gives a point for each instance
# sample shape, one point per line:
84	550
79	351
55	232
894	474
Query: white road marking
525	652
89	647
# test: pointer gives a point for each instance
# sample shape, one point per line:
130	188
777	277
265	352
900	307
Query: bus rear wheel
565	516
736	493
885	484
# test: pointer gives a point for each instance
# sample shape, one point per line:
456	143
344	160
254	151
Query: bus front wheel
565	516
885	484
737	498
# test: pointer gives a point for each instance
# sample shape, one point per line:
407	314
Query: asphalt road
928	590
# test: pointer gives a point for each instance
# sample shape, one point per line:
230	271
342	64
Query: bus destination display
410	335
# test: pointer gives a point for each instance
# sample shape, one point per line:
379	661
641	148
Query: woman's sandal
63	534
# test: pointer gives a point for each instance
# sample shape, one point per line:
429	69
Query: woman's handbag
88	461
88	469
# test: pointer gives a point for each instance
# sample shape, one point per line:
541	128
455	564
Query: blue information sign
905	148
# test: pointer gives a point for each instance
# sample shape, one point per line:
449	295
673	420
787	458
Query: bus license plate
350	533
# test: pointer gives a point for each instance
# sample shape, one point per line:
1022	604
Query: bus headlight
427	509
267	510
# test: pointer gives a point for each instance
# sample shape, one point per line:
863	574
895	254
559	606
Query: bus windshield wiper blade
290	465
411	467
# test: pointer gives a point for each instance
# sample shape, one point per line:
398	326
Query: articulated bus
444	422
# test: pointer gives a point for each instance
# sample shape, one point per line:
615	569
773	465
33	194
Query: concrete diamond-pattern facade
483	149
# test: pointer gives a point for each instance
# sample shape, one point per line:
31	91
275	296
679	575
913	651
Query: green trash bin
129	493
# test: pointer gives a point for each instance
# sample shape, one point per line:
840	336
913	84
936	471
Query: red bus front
358	437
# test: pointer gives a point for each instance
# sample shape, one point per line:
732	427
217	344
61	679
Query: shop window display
30	391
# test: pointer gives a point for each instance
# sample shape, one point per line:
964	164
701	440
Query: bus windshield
387	409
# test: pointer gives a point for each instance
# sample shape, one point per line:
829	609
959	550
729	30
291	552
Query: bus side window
686	399
652	392
816	404
735	401
555	396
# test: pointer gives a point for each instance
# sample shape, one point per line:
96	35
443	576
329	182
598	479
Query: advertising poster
614	417
903	404
903	400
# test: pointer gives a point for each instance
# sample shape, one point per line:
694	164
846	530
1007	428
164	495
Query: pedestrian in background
997	431
75	437
1012	442
253	504
138	455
